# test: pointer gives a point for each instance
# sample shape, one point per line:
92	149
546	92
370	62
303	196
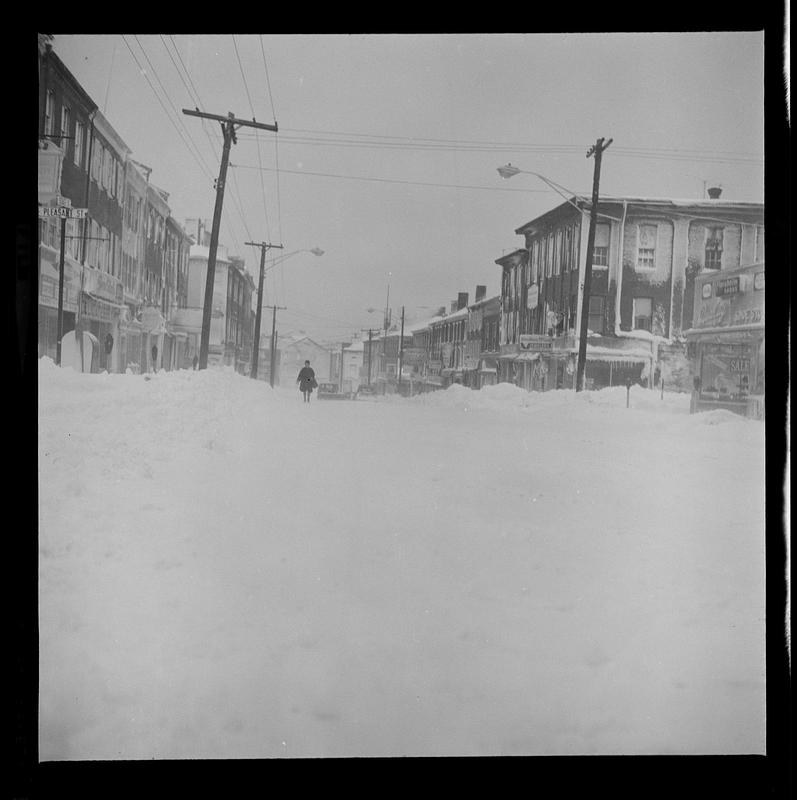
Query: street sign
63	211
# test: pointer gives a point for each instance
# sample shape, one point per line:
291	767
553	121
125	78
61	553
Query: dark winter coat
306	379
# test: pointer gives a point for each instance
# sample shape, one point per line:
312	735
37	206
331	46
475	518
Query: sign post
64	211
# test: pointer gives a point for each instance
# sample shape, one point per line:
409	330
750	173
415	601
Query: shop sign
533	297
534	342
728	286
413	355
435	365
151	319
739	365
97	310
102	284
49	173
713	313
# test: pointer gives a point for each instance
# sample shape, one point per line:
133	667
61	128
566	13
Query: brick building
646	255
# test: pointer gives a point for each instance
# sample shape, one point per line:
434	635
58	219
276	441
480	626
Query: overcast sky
388	145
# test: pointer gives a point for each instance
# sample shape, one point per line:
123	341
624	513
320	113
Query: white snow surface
226	572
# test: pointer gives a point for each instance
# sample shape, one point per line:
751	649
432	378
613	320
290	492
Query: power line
276	139
392	180
246	85
257	138
163	88
157	97
420	143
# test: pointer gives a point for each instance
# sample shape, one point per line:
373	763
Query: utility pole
370	337
400	351
598	149
229	124
61	295
273	343
256	349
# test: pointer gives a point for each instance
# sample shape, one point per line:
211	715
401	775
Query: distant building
294	350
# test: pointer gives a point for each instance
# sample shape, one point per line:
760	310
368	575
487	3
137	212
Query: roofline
85	96
667	202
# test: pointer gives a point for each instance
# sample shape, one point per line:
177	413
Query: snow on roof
356	347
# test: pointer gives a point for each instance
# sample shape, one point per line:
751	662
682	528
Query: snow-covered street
226	572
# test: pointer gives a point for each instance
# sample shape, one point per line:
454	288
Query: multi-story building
188	318
239	319
176	344
102	310
482	340
646	255
447	342
133	352
66	113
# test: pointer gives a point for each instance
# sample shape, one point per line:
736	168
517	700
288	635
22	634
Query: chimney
714	192
481	293
453	306
462	300
441	312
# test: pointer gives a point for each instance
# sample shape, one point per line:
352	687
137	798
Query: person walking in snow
306	381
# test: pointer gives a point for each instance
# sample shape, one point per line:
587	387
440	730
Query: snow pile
504	396
227	572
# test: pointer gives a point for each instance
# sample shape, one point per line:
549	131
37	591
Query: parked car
366	391
330	391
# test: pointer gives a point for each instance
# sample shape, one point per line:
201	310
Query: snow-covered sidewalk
226	572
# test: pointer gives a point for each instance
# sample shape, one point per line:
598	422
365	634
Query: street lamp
509	171
316	251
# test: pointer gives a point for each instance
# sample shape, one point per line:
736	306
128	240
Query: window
643	313
571	317
80	136
600	252
759	244
646	247
597	304
49	110
714	248
65	120
96	163
557	253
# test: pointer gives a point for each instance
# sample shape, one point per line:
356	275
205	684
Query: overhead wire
393	180
256	136
276	137
168	97
166	111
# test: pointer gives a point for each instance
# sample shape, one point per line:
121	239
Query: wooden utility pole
370	338
229	124
400	351
597	150
60	332
256	349
273	343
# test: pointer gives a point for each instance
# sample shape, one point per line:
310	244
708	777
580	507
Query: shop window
49	110
65	120
643	313
714	248
597	306
600	252
646	247
759	244
80	138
